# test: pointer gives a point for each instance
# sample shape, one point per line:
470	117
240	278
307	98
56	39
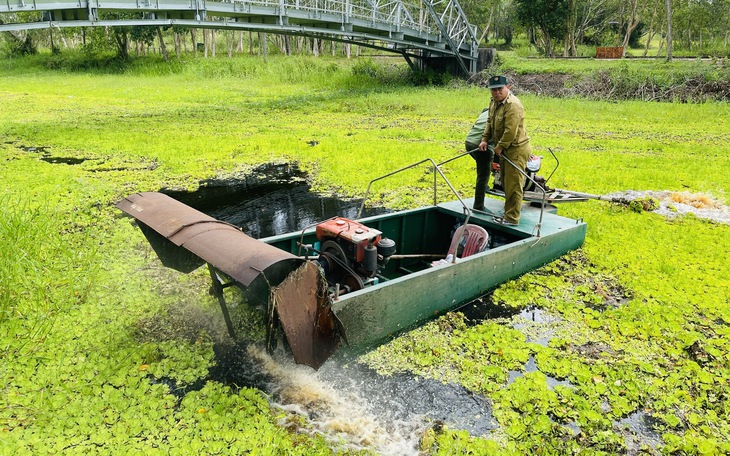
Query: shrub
14	46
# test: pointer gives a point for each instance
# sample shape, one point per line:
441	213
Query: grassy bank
81	371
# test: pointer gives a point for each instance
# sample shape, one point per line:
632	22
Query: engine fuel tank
351	231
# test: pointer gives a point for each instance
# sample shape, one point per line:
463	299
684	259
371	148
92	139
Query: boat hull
411	293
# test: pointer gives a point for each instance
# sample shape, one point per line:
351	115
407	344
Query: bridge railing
457	25
438	27
402	14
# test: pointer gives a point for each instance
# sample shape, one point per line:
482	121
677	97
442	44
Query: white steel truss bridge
434	33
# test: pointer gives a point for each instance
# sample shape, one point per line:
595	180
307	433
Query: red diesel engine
351	253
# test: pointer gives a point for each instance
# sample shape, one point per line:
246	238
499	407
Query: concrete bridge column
485	58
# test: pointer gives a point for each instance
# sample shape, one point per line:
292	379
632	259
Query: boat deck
374	314
551	222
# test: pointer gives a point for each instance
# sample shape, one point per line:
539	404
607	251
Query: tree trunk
212	42
569	49
194	40
668	4
205	43
122	41
63	39
163	48
649	37
177	44
650	34
264	48
633	23
50	35
547	42
688	40
487	26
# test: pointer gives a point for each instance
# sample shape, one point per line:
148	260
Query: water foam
343	416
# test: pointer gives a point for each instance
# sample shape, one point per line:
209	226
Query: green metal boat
352	285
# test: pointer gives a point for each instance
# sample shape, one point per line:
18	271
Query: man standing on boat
506	130
483	158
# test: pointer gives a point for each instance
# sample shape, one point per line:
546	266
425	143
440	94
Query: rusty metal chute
212	241
185	239
310	343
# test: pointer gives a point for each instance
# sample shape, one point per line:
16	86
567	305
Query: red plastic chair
476	241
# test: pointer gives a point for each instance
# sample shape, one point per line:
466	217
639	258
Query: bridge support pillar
485	58
450	64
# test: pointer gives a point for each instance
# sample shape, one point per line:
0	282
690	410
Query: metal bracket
217	287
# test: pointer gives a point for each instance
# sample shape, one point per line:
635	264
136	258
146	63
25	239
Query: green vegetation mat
640	315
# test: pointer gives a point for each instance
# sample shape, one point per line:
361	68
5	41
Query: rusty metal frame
185	239
217	287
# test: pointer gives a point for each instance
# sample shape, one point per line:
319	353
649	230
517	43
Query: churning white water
347	419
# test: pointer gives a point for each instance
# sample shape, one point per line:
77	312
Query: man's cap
497	81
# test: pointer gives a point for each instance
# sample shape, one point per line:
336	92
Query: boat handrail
542	189
436	169
557	163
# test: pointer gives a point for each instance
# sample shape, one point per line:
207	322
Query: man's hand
483	146
497	151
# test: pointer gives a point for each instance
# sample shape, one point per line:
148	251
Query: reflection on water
531	366
283	210
273	199
640	431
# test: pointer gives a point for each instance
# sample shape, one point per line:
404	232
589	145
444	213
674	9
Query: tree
668	4
142	35
549	17
163	48
481	13
593	20
21	42
571	23
631	23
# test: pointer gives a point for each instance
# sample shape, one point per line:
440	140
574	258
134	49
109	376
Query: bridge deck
430	28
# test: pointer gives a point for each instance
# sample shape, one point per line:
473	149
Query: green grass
80	287
646	67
